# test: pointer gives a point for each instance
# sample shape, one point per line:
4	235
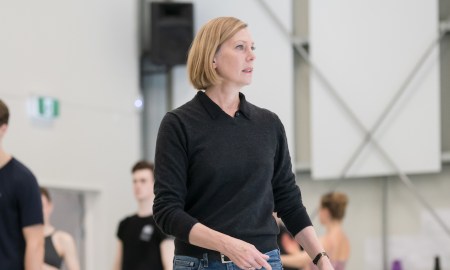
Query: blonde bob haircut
205	45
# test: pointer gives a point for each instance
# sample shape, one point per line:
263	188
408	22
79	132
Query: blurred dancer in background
141	244
59	246
335	241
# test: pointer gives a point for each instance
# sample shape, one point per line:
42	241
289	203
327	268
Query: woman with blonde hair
335	241
222	165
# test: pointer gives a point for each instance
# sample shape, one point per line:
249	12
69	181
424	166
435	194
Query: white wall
83	53
367	54
413	237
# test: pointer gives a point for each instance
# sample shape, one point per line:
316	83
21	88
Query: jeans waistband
213	257
186	249
210	255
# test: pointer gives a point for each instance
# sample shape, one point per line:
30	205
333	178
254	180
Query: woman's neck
333	226
225	97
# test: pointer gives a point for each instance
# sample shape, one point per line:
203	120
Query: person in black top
21	229
222	164
141	244
59	245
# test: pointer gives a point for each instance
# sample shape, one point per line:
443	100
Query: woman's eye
240	47
253	48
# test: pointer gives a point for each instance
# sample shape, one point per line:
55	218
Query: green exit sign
44	107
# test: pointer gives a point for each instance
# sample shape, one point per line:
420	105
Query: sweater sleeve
171	167
287	195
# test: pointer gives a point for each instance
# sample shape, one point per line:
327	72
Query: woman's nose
251	55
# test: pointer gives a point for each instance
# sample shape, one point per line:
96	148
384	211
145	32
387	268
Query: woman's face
234	60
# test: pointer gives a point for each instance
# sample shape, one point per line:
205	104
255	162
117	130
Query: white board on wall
366	50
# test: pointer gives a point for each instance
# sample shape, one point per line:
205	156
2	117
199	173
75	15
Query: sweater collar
214	110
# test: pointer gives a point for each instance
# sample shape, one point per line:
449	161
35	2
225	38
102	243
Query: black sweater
228	173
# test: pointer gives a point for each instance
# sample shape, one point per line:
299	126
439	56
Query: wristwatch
318	256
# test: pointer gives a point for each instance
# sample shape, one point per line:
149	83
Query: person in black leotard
52	258
59	246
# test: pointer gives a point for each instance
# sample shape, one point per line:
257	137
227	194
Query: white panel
366	50
272	86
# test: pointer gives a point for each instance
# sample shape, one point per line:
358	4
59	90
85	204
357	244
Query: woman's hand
245	255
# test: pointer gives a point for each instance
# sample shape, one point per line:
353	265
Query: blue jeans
191	263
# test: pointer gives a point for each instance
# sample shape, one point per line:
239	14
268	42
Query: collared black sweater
228	173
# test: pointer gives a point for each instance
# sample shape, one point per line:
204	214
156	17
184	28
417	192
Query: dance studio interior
361	87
